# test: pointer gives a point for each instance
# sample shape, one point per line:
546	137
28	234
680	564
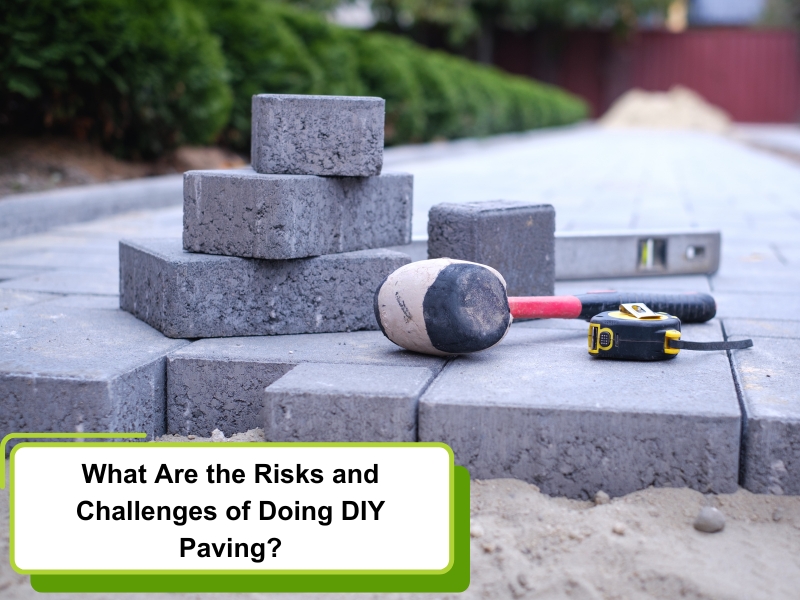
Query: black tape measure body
613	334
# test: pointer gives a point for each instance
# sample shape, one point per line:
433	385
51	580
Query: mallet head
443	306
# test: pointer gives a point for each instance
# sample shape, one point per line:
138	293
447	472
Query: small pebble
601	498
191	437
489	547
709	520
618	528
777	515
217	436
475	530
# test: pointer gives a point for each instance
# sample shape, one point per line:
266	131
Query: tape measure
634	332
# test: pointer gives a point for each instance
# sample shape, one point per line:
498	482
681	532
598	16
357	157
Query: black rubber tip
466	309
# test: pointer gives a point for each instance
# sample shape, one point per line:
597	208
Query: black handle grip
691	307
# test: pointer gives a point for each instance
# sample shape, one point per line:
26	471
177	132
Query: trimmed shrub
148	75
140	76
264	55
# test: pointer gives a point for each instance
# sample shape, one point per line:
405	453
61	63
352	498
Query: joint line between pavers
737	384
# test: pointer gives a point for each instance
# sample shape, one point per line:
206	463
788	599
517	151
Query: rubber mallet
445	306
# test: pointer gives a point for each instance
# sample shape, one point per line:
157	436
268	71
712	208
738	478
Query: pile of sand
680	108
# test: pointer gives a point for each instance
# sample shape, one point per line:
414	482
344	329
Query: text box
346	508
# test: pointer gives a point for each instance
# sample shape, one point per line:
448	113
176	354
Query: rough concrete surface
317	135
219	383
516	238
67	369
324	402
537	407
244	213
768	375
187	295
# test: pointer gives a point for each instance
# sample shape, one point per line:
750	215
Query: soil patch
46	163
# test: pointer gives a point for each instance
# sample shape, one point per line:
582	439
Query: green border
451	577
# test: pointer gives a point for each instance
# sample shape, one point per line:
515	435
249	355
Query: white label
180	508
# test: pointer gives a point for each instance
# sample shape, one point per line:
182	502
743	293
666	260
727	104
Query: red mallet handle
545	307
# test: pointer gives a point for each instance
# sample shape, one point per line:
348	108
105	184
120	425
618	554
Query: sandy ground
528	545
39	164
679	108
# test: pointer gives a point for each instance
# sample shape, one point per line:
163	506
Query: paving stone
516	238
537	407
7	273
327	402
68	281
769	382
744	305
10	299
667	283
219	383
317	135
771	328
63	258
244	213
187	295
84	301
67	369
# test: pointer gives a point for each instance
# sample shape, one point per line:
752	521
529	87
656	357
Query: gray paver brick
537	407
219	383
762	328
63	258
345	403
673	283
201	295
68	281
757	306
7	272
247	214
516	238
10	299
67	369
84	301
317	135
769	380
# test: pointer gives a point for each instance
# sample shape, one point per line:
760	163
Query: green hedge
142	76
145	76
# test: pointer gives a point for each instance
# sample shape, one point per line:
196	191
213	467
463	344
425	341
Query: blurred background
97	90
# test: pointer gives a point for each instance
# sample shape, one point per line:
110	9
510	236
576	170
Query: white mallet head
443	306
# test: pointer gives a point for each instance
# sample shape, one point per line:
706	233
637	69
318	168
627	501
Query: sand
680	108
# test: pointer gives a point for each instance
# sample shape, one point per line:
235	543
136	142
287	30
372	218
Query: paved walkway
596	179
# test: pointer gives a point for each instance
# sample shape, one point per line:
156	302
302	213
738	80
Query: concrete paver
188	295
219	383
326	402
516	238
318	135
769	383
537	407
67	369
243	213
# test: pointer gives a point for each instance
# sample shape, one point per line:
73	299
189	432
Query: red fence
752	74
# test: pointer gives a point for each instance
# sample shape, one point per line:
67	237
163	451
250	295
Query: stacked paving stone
291	245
